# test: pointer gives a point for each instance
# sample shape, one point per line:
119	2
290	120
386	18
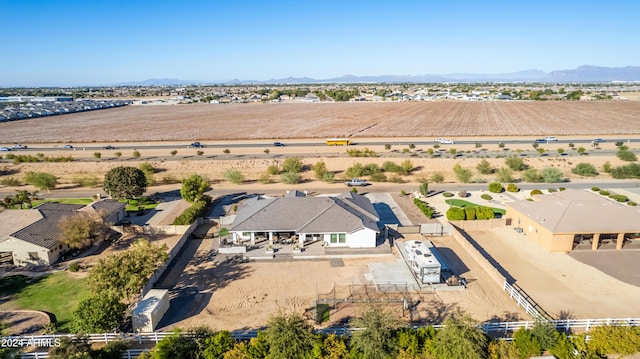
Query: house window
34	256
334	238
246	234
342	238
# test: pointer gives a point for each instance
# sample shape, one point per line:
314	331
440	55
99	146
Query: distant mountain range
581	74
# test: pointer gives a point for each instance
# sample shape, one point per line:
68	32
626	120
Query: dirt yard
323	120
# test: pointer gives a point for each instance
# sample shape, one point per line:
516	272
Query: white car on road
444	141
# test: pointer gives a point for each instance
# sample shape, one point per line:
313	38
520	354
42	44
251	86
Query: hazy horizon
75	43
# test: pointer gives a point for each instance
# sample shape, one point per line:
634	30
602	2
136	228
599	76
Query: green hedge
197	209
511	187
428	211
455	214
496	187
486	197
619	197
536	191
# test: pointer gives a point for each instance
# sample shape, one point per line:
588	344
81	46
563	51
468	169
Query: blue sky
97	42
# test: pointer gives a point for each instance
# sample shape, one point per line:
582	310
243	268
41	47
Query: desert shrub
496	187
199	152
462	174
357	170
632	170
606	167
504	174
424	188
604	192
484	167
470	213
535	192
551	190
584	169
551	175
10	182
455	214
370	169
437	177
378	177
425	208
328	177
290	177
532	175
395	179
561	189
354	152
234	176
273	170
74	267
292	164
170	179
265	178
627	156
515	163
447	194
632	203
511	187
86	180
486	197
136	154
619	197
390	166
619	143
595	189
319	168
387	146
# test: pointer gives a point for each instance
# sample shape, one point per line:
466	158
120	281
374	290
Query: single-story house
346	220
33	237
562	221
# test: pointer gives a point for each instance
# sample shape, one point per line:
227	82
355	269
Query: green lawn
463	203
57	293
135	204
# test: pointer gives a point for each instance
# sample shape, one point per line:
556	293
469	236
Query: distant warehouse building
576	219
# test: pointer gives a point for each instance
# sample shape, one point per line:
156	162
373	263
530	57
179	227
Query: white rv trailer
423	262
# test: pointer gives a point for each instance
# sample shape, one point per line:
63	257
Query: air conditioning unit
519	229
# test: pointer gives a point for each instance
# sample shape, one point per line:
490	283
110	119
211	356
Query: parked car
67	147
550	138
598	140
356	182
19	147
109	147
278	144
196	145
444	141
5	149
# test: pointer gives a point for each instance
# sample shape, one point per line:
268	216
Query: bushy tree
215	346
484	212
512	187
273	170
626	155
125	273
289	336
622	340
526	344
470	213
98	314
374	338
407	167
193	188
320	169
81	230
125	182
41	180
532	175
584	169
460	338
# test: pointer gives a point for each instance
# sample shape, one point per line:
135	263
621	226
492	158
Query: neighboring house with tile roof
33	237
345	220
566	220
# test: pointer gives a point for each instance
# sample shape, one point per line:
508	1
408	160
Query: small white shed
150	311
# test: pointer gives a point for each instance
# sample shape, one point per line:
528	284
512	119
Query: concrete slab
387	276
388	210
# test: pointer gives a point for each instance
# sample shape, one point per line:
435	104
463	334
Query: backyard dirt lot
323	120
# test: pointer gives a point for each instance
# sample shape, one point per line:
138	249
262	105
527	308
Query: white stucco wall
364	238
20	250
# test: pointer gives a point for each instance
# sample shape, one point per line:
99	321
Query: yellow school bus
338	142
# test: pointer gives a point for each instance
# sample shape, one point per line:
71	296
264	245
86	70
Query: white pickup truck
356	182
